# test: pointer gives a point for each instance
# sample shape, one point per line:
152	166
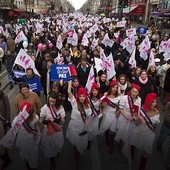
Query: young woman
78	126
123	84
28	137
146	86
135	74
110	102
129	117
96	110
154	78
52	116
143	136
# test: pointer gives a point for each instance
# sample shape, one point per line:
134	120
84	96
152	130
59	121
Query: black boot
143	163
53	164
77	158
107	137
89	145
132	148
7	160
111	139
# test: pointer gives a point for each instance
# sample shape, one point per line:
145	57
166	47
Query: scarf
143	81
122	88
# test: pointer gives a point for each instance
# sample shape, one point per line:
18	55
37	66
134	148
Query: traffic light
125	5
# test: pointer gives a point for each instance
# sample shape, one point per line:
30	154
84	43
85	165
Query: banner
59	72
18	73
35	84
121	24
131	31
142	30
8	139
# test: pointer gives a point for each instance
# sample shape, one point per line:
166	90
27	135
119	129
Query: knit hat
148	100
83	91
94	86
133	85
113	82
28	106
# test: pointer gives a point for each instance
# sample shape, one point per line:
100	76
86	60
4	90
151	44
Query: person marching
95	103
129	117
143	135
110	103
28	137
78	127
52	116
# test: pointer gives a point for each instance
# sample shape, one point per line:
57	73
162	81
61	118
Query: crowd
119	99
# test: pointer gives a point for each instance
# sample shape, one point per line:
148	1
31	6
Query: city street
96	158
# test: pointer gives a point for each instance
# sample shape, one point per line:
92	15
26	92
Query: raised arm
70	95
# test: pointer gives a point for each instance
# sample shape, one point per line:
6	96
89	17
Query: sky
77	3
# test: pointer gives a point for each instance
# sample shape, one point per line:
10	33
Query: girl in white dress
143	135
129	117
78	127
28	137
110	103
96	108
52	116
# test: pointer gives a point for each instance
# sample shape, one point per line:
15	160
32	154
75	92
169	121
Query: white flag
107	41
144	48
25	61
59	43
151	59
132	60
110	67
8	139
163	46
19	37
85	40
94	43
98	64
91	79
166	56
103	58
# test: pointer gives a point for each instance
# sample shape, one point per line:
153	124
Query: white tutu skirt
109	122
28	146
74	129
142	138
93	128
53	144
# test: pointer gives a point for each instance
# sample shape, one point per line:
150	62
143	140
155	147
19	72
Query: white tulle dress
27	143
109	120
76	126
94	121
51	144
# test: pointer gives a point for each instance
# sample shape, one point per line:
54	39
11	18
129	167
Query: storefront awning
137	9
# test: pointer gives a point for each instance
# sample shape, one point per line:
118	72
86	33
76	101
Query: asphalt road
96	158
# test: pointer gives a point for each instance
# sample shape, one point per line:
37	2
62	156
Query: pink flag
151	59
25	61
91	79
94	43
59	43
98	64
85	40
103	58
110	67
132	60
19	37
144	48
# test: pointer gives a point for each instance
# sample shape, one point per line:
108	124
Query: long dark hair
55	96
110	91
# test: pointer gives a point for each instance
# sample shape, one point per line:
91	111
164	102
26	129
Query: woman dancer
52	116
79	124
110	102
